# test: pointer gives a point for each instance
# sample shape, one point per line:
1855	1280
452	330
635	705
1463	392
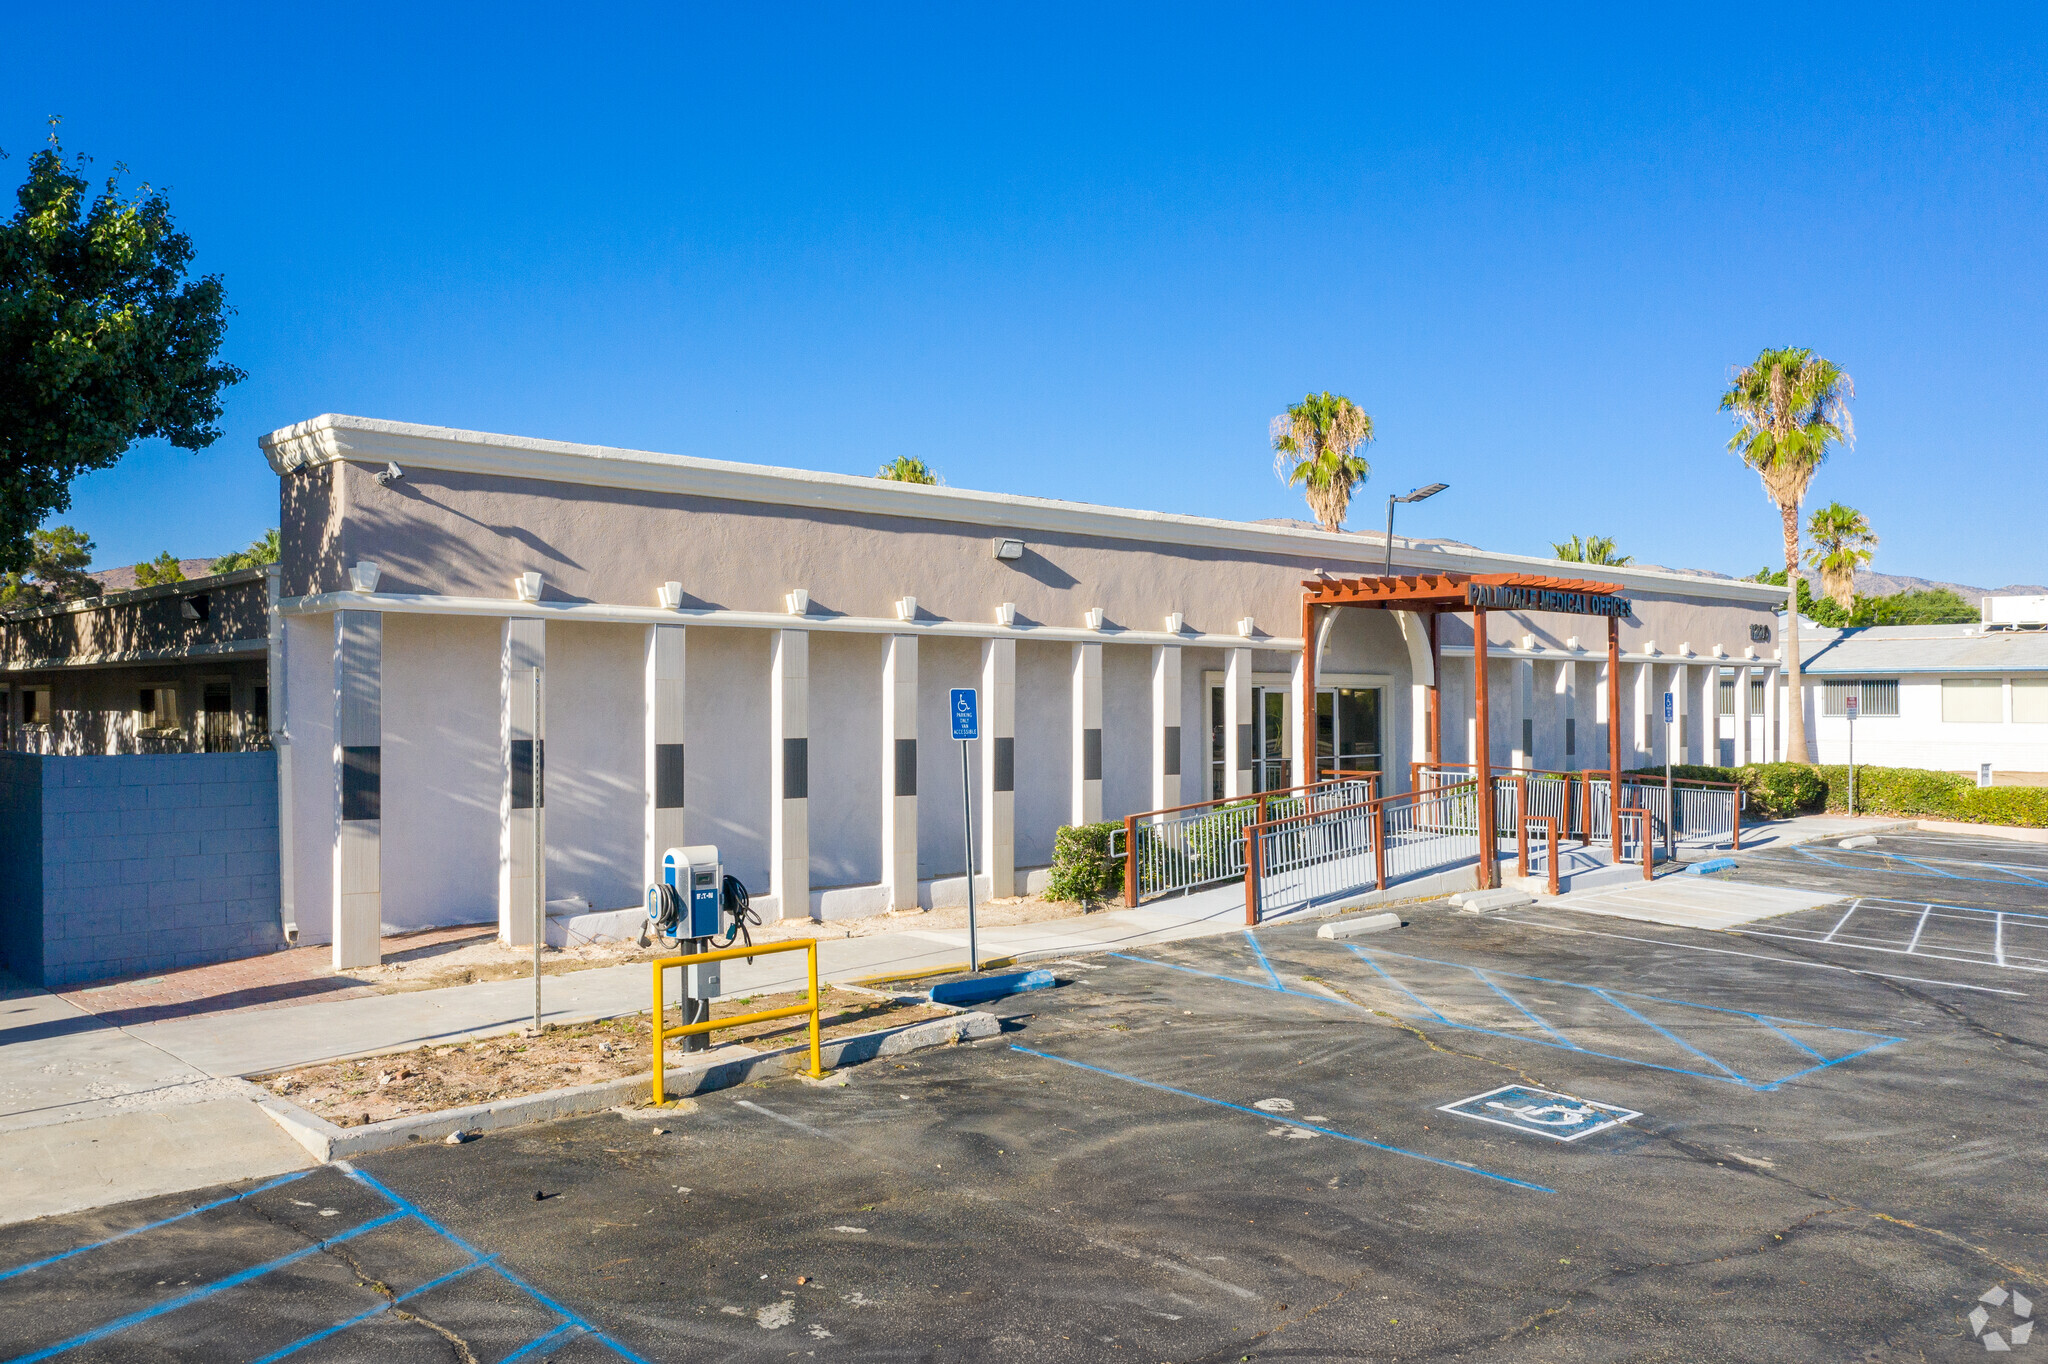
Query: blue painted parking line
402	1209
1284	1119
1926	866
152	1226
1722	1072
1769	1022
234	1280
361	1317
539	1341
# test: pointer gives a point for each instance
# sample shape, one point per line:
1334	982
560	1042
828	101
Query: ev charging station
696	878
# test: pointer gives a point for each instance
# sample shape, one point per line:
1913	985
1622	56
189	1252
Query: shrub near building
1779	789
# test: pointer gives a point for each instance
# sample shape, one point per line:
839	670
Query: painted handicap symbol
1550	1115
1541	1112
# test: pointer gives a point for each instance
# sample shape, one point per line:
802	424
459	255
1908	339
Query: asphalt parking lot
1237	1148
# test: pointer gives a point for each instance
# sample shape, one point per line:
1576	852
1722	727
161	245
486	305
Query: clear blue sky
1088	252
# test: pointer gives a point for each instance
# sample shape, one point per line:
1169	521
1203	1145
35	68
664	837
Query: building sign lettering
1497	598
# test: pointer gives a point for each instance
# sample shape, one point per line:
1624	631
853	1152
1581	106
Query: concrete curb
2012	832
721	1069
1364	923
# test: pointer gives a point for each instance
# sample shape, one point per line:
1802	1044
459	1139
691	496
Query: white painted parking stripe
1759	956
1918	929
1853	905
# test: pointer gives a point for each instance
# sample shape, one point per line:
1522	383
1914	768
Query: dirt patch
430	1079
466	959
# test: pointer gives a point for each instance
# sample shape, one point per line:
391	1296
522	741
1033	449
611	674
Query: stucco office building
759	658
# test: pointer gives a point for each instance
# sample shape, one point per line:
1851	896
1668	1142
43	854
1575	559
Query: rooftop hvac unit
2015	613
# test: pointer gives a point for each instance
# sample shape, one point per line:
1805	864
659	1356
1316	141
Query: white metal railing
1322	853
1705	816
1199	845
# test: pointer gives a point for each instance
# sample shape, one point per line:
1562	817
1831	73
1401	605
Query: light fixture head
1007	549
1421	493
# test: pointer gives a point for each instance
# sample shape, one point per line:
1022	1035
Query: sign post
1670	809
1850	705
967	728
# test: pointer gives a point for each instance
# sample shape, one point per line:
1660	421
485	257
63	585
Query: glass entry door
1272	770
1348	730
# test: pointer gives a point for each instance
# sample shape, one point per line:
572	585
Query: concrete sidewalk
90	1115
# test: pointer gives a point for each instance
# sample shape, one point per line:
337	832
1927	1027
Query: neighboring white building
1945	697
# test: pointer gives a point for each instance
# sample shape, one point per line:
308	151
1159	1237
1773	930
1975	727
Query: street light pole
1416	496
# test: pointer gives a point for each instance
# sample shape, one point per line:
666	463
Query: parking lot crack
1941	1006
364	1279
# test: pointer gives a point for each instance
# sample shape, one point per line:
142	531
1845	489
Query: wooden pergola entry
1433	595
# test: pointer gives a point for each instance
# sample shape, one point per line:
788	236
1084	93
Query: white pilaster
789	779
1300	756
1239	736
999	765
522	755
1774	722
1086	803
1638	749
1678	738
1564	689
899	771
358	897
662	697
1742	720
1166	741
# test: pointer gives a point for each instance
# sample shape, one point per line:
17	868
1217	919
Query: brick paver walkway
299	975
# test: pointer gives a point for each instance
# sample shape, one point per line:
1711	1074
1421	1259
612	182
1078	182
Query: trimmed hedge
1777	789
1083	871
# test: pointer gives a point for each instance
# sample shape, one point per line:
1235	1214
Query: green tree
1791	405
104	339
58	558
162	569
1315	448
1923	606
1813	606
1842	543
259	553
907	469
1593	549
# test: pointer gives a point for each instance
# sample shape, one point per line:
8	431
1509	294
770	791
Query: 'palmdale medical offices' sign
1497	598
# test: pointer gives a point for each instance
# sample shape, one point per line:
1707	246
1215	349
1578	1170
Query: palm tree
1315	445
1792	405
907	469
1594	549
1842	543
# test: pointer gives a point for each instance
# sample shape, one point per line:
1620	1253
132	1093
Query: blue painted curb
982	988
1712	864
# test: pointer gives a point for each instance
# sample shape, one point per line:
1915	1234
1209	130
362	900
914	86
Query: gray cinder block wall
113	866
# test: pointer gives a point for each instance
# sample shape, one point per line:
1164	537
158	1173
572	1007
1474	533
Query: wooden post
1434	696
1614	731
1130	861
1379	845
1482	759
1552	853
1251	876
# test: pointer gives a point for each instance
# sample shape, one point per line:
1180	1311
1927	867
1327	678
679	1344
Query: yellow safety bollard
662	1034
